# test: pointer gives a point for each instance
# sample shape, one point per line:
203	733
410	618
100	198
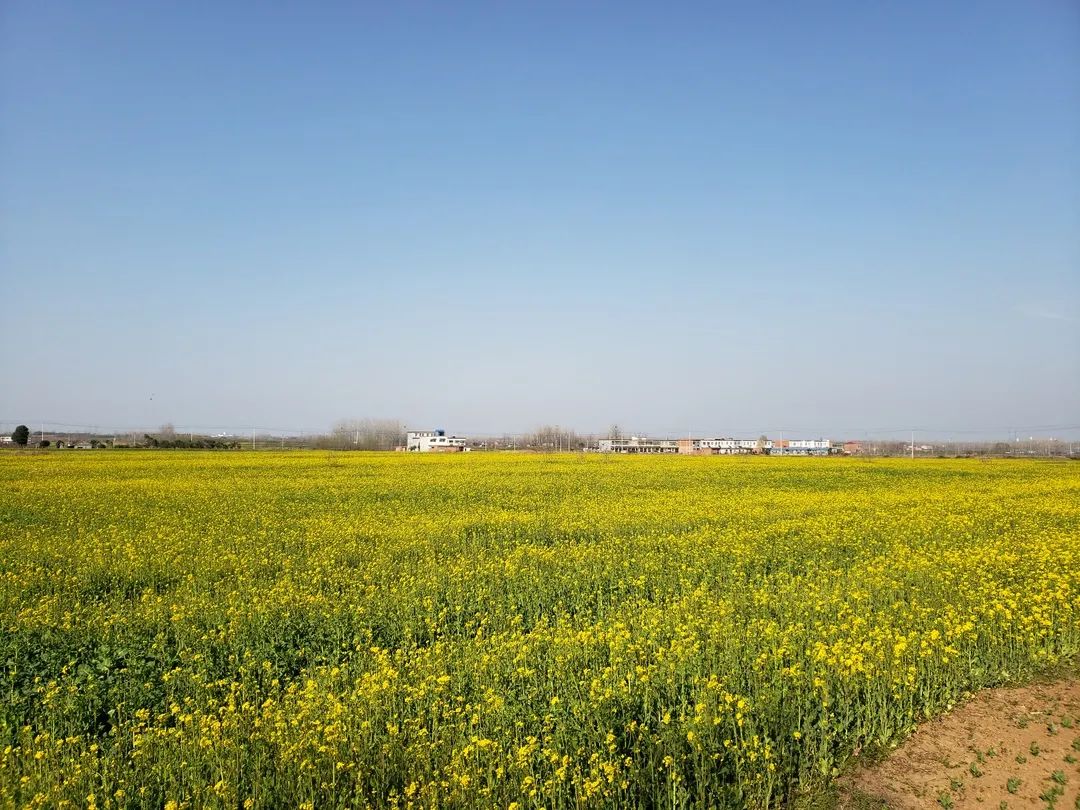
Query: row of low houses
720	446
437	441
61	444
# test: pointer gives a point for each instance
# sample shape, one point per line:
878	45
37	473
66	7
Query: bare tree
363	434
553	438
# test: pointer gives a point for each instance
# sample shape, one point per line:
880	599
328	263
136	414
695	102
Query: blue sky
833	218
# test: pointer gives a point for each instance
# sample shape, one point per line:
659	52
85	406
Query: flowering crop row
510	631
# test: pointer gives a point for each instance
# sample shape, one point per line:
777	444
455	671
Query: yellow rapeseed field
508	631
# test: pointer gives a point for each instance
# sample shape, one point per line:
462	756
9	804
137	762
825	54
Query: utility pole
253	438
913	445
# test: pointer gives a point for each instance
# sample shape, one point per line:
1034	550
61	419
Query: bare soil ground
1014	747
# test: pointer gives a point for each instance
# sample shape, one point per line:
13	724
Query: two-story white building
433	441
728	446
803	447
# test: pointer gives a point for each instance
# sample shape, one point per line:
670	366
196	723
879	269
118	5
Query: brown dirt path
1016	747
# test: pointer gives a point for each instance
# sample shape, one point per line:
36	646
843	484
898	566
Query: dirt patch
1004	748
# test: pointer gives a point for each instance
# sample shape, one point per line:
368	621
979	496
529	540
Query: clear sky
831	218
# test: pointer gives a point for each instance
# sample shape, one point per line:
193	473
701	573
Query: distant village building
638	444
723	446
433	441
802	447
691	447
729	446
718	446
852	448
